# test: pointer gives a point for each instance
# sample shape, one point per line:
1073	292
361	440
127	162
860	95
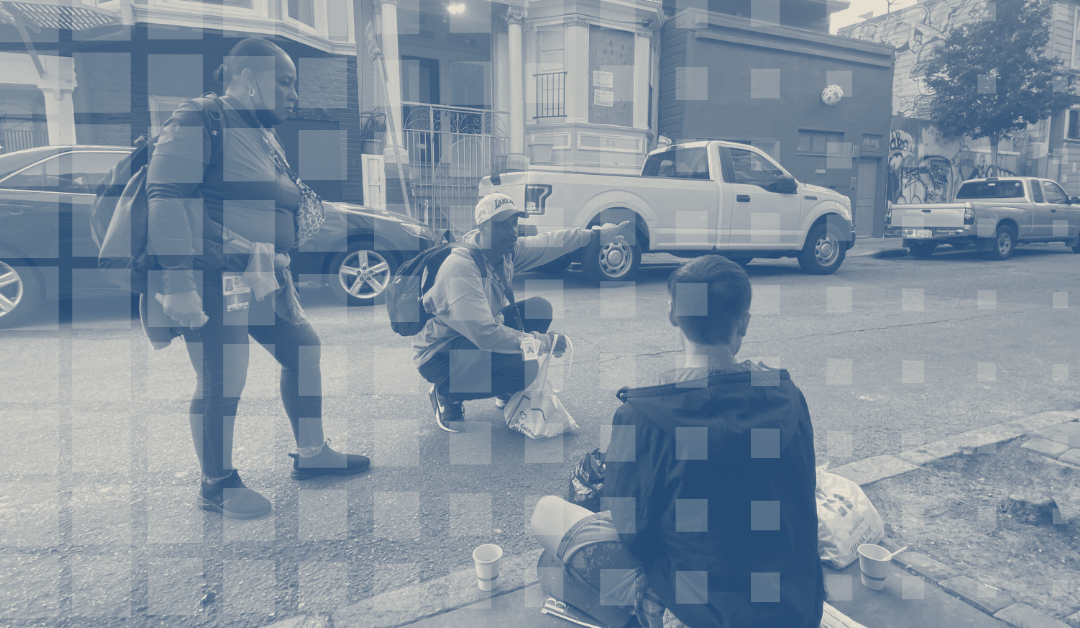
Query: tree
994	77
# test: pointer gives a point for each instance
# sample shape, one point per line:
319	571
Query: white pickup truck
690	199
992	214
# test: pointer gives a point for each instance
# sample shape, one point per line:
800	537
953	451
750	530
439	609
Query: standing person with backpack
480	342
223	214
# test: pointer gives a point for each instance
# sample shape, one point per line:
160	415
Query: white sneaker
500	403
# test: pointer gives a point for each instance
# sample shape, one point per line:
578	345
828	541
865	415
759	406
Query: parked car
47	251
689	199
993	215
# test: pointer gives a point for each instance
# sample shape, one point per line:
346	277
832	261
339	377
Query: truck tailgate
922	216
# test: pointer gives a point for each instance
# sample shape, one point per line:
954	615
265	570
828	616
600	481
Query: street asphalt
97	520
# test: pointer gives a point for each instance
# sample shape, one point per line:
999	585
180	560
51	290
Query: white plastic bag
846	519
536	412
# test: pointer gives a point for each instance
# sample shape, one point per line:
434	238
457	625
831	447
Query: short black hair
716	293
243	53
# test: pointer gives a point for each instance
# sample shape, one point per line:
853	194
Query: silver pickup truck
992	214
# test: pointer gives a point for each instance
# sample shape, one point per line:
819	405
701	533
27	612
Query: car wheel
922	250
22	292
1074	244
617	260
361	275
1004	243
824	250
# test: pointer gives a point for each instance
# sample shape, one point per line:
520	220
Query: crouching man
709	482
480	342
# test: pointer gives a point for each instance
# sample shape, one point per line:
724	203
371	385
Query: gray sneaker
449	416
231	498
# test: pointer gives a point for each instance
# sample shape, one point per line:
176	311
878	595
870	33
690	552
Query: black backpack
119	216
405	294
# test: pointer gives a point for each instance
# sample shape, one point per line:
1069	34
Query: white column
516	160
59	116
576	62
642	66
393	81
502	70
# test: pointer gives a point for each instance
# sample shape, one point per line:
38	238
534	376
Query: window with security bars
551	74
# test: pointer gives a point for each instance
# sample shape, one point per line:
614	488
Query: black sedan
47	251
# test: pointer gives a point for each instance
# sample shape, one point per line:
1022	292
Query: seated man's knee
548	511
537	309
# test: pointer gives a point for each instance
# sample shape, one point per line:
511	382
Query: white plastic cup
487	566
874	563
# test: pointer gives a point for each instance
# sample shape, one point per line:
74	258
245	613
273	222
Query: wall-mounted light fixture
456	8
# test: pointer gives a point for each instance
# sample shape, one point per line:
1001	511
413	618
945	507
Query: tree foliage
994	77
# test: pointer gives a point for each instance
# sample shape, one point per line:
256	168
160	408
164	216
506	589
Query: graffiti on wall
917	32
929	169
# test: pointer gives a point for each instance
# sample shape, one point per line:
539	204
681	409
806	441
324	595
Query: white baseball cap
497	206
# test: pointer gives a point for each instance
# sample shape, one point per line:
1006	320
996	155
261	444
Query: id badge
236	292
530	348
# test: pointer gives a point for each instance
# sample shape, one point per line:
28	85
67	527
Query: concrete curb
441	595
989	600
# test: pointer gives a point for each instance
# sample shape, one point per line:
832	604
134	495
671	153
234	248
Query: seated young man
710	480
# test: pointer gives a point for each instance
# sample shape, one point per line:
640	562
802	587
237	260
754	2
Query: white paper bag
846	519
536	412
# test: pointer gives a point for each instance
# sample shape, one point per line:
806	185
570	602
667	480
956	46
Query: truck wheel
22	292
617	260
922	250
1074	244
824	250
1004	243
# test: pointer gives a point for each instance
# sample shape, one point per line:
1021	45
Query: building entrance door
866	197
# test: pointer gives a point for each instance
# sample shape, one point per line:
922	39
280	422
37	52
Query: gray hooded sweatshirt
464	304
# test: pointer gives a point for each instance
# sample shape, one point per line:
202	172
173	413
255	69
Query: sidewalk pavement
906	602
916	594
865	246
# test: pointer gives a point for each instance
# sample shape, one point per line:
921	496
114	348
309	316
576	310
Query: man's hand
610	231
185	308
560	346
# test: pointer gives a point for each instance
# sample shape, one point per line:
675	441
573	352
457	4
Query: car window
679	163
991	189
1054	194
1036	192
752	169
71	173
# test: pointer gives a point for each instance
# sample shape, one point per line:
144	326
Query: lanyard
507	290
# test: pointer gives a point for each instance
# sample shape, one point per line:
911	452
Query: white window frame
540	32
1065	130
1075	34
320	28
259	8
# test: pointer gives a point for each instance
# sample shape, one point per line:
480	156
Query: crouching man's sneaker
328	462
231	498
449	416
501	401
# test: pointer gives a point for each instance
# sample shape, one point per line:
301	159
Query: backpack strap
508	290
214	116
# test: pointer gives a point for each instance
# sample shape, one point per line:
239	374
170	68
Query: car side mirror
1074	200
786	184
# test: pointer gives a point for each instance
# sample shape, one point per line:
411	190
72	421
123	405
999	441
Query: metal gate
450	150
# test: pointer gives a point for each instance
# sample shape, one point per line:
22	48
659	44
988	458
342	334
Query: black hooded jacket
711	485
